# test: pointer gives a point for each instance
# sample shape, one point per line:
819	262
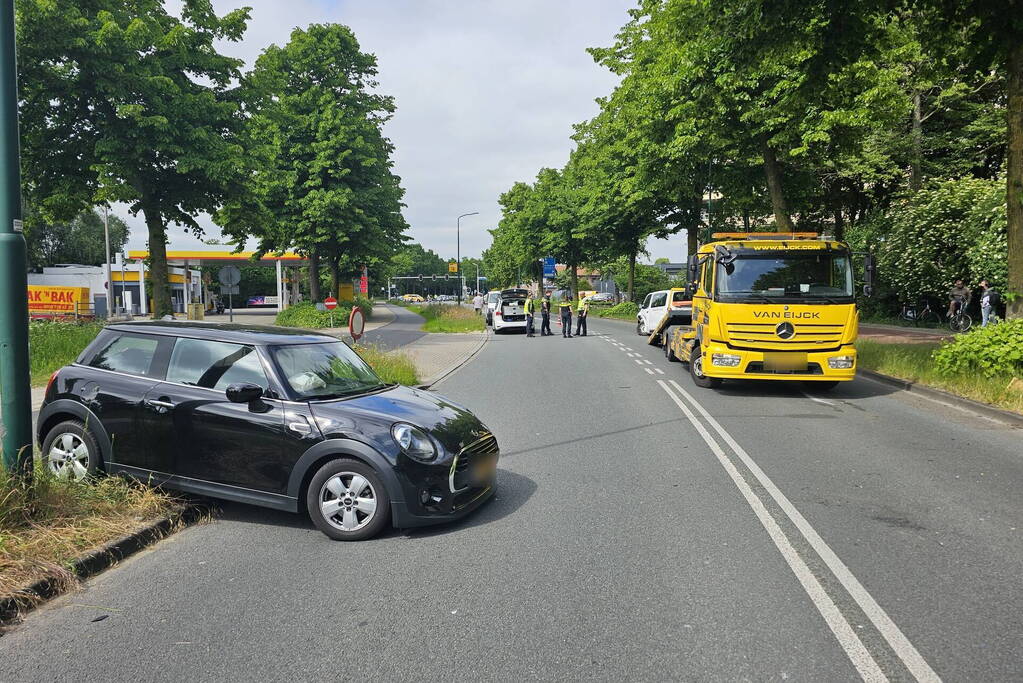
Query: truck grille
808	336
460	478
757	368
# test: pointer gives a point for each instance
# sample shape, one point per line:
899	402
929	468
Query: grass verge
392	366
913	362
449	318
46	527
52	345
623	311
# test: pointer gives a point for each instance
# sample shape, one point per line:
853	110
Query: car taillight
497	312
53	378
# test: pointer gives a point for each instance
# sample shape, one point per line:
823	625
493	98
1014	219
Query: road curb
13	607
1005	416
468	357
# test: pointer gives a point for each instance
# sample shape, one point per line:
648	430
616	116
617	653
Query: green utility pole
15	394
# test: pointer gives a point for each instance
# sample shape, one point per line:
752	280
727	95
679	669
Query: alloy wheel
68	456
348	501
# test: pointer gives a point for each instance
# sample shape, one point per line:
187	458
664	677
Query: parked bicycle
925	316
960	321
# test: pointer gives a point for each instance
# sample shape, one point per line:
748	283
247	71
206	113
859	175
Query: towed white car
510	311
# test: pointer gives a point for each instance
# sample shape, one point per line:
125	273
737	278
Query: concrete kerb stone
12	607
432	381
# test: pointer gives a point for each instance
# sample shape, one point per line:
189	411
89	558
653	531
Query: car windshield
812	275
325	370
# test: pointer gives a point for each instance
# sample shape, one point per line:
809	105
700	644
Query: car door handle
160	406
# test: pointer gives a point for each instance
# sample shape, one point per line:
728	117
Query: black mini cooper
288	419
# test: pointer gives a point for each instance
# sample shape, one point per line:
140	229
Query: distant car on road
284	418
510	312
412	298
602	298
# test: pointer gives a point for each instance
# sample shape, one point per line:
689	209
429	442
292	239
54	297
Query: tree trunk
839	223
745	219
915	177
632	276
693	232
782	221
158	280
1014	180
314	276
574	278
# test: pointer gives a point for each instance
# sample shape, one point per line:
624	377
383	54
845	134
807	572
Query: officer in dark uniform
566	315
545	316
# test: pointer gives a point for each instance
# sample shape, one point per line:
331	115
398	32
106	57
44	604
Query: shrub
366	305
626	310
306	315
992	350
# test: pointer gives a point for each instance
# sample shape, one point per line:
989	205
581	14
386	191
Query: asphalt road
404	329
644	529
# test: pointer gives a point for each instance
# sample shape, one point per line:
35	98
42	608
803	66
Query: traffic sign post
356	323
229	276
330	303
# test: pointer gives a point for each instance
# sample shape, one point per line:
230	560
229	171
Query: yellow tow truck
776	306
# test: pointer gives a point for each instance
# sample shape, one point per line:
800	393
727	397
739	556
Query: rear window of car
658	300
678	296
131	354
214	365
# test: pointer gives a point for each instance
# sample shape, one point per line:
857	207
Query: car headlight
725	360
840	362
414	442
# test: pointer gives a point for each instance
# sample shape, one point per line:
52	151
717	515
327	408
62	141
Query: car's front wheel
639	328
71	451
347	501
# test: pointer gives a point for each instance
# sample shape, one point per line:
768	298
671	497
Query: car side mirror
244	392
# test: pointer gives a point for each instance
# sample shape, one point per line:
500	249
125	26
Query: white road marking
634	355
659	371
649	371
898	641
648	362
816	400
836	621
638	361
627	348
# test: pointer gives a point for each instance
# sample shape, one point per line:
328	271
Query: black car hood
372	416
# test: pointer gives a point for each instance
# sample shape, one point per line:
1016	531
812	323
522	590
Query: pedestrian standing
989	300
477	302
566	315
545	316
583	314
529	313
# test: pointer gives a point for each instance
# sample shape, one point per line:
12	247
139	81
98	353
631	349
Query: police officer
529	313
566	315
583	313
545	316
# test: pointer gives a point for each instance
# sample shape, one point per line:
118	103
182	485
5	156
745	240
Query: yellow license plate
784	362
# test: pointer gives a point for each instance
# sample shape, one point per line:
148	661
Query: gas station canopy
202	257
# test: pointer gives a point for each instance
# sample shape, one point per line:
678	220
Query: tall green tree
321	178
122	101
80	240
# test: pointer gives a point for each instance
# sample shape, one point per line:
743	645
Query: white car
490	305
651	311
510	312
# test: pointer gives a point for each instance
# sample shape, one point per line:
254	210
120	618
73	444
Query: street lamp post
15	395
458	250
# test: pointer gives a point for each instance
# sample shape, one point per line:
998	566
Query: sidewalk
895	334
438	355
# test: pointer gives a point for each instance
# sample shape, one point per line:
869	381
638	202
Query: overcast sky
486	94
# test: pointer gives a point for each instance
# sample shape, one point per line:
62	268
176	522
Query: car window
678	296
214	365
646	302
658	300
131	354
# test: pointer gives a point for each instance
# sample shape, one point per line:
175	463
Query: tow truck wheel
696	371
668	353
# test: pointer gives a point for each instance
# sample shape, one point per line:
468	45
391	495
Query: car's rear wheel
347	500
696	371
71	451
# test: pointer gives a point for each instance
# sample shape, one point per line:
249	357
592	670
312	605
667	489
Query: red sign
330	303
364	285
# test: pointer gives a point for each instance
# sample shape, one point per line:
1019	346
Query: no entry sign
330	303
356	323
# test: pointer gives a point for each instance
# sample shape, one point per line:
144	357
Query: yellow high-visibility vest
529	305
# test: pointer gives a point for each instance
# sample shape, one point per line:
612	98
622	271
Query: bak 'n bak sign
48	299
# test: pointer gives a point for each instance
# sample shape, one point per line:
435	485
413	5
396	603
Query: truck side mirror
694	262
870	272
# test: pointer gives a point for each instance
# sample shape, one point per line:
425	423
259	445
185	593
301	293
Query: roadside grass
449	318
52	345
392	366
913	362
623	311
45	527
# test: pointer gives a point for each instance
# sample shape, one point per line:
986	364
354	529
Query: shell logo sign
45	299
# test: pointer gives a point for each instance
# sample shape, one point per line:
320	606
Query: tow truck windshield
786	277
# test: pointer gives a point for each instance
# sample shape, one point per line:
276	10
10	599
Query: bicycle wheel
927	318
960	322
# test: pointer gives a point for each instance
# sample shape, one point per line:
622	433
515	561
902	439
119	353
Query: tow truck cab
770	306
